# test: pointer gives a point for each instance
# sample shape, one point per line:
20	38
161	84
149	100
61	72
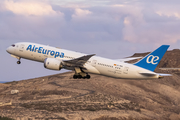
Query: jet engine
53	64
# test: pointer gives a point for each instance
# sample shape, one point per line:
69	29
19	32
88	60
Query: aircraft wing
128	59
78	61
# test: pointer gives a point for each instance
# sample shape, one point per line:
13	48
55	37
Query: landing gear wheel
75	76
88	76
18	62
79	76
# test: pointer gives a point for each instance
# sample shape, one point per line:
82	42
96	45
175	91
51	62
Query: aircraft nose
10	50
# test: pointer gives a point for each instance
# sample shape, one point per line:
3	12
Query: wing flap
79	61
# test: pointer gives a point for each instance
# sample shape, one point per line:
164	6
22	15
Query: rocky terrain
99	98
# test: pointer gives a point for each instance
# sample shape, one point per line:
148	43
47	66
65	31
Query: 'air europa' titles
45	51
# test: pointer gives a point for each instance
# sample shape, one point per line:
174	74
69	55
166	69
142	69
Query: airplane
55	58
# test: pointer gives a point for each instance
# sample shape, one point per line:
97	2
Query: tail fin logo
152	59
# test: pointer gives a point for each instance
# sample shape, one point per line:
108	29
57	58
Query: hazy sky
108	28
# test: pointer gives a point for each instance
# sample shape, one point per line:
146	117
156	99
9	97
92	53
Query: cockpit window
13	45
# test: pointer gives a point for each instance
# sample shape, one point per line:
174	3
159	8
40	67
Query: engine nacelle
53	64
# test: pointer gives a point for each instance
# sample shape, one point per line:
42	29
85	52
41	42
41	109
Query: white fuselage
95	64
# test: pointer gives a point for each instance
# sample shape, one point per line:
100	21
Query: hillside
99	98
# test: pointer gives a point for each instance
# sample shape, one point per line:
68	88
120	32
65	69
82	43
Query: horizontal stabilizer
148	74
155	74
169	68
161	74
128	59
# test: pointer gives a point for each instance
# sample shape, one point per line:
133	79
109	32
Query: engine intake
53	64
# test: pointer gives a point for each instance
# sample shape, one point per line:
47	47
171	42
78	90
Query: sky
108	28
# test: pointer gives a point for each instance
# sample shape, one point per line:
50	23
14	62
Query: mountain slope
61	97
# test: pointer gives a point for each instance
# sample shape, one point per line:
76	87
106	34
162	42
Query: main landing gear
80	76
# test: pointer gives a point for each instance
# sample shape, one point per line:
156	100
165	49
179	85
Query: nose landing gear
18	62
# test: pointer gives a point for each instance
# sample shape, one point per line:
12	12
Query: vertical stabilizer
151	61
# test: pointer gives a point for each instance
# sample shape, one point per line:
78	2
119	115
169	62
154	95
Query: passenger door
126	69
21	47
94	63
